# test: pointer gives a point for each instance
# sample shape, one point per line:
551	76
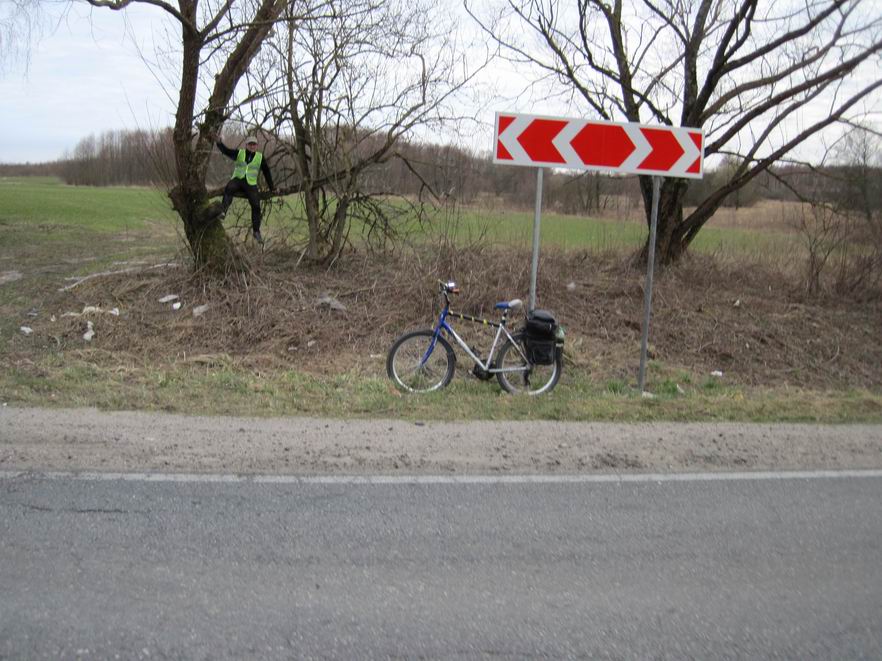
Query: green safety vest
248	171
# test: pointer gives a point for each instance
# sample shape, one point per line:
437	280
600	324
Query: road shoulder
92	440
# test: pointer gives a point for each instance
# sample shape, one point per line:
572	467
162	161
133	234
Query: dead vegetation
750	322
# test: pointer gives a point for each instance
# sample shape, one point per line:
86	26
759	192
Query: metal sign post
647	295
534	265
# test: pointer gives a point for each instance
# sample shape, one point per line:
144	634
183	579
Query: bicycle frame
443	325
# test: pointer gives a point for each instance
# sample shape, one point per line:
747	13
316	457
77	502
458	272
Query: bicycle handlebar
448	287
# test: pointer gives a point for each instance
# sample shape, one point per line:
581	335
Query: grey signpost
537	220
569	143
647	290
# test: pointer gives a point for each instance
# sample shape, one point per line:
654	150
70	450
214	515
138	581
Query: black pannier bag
540	337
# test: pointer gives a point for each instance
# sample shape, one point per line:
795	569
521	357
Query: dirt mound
744	320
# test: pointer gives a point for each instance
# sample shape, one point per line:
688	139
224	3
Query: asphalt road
783	568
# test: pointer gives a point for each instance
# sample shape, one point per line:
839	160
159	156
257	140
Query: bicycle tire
528	379
404	362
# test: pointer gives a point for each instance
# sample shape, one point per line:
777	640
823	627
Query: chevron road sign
560	142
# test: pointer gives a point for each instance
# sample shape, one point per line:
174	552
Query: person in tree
249	164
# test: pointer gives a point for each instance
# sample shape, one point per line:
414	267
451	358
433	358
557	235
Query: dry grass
745	320
763	216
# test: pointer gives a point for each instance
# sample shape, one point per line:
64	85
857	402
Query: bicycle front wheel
418	363
519	375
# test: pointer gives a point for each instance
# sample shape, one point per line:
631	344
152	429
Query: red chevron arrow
536	140
696	167
501	152
666	150
605	145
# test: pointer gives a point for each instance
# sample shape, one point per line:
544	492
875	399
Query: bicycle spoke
410	368
518	375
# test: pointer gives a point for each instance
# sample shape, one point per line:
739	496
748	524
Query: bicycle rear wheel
411	369
519	375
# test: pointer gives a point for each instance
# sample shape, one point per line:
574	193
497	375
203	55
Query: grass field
577	233
45	203
50	233
47	207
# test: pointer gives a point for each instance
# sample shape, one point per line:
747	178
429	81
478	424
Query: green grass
516	228
578	233
227	389
51	210
46	226
45	204
44	222
49	231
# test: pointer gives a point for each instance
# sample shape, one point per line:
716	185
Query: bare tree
760	78
218	41
341	91
823	230
840	221
21	24
859	153
121	158
858	194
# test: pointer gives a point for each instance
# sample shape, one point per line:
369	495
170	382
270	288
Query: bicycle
416	363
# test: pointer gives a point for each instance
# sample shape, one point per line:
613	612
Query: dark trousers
241	186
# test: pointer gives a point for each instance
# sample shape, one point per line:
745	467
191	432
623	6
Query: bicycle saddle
509	305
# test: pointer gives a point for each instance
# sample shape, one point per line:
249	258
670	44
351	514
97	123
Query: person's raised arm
226	151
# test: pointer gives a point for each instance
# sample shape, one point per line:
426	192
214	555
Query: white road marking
440	479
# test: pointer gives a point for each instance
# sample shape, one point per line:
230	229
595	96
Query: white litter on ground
332	303
91	309
9	276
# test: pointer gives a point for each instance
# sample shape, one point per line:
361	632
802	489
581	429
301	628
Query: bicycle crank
481	373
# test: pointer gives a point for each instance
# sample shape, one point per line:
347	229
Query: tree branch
117	5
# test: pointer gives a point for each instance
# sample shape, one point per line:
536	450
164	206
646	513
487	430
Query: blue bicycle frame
442	325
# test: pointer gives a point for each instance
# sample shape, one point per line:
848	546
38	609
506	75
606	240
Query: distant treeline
146	158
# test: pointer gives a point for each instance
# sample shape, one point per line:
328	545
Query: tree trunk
209	244
315	248
210	247
341	221
672	234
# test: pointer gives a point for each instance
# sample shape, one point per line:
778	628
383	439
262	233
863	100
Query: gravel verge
92	440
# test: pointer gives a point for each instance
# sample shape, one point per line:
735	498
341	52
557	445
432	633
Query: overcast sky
85	76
